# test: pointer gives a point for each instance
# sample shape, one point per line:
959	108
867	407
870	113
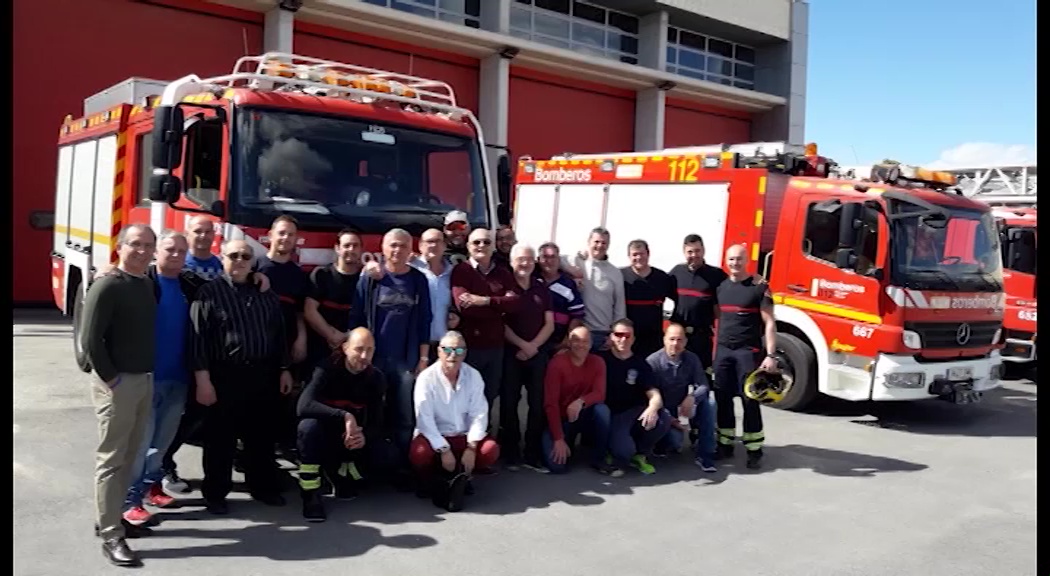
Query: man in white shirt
452	418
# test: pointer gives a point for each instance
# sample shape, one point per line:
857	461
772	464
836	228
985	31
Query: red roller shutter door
550	115
688	124
100	44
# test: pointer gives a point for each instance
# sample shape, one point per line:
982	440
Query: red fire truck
889	289
1017	235
335	145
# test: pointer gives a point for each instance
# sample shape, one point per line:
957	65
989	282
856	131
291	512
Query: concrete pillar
652	41
649	108
279	31
495	16
494	108
780	69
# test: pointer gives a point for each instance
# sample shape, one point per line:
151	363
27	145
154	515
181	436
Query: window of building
465	12
579	26
712	59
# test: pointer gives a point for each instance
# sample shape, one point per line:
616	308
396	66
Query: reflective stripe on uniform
349	469
753	440
309	476
726	436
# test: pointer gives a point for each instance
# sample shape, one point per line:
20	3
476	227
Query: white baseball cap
456	216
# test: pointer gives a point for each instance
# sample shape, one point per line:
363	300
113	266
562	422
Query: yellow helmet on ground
765	387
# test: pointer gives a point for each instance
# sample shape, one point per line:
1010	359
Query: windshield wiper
947	278
283	200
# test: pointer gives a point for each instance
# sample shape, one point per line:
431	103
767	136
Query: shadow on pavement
1008	412
823	461
48	316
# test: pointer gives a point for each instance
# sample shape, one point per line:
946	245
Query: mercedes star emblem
962	335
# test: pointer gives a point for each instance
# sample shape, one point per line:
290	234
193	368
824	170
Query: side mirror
848	224
167	137
165	188
845	259
217	209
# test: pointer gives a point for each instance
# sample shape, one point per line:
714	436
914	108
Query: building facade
543	76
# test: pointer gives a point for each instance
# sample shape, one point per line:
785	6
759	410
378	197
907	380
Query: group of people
371	370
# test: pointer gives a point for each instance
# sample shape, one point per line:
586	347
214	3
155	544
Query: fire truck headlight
905	380
911	339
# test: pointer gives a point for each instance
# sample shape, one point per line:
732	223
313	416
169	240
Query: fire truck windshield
333	172
956	250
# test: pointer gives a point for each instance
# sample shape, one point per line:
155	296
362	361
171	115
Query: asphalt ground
846	489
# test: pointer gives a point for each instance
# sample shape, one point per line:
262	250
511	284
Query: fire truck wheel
798	363
78	349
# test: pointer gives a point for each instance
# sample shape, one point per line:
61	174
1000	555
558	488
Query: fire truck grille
954	334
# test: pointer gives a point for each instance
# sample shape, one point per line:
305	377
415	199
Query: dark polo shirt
526	320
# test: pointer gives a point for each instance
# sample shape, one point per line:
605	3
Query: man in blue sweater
686	394
396	309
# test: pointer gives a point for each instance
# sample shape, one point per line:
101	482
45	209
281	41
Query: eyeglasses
235	256
453	350
483	242
621	334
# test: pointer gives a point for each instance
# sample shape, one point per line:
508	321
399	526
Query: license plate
958	374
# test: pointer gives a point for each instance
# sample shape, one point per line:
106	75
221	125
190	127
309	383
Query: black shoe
724	452
269	498
131	531
754	459
468	490
345	489
217	507
117	551
313	508
450	491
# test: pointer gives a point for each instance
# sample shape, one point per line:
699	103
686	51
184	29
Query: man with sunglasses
341	424
241	361
451	422
483	292
457	229
633	397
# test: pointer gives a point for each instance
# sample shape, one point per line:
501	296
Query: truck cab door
836	274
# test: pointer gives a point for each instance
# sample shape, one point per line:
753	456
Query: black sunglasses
481	242
235	256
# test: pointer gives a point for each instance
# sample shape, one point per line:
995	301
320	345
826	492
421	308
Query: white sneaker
172	483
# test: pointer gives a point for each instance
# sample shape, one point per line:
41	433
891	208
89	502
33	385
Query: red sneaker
157	497
137	516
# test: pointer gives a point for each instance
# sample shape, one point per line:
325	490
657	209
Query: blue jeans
627	437
593	421
169	400
704	422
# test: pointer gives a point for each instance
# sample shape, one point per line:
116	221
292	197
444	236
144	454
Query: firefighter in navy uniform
746	342
695	286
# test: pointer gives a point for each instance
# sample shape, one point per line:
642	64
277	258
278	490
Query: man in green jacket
118	335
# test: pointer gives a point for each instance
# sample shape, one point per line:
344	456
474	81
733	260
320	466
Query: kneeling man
341	424
452	416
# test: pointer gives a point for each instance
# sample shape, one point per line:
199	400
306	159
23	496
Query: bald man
747	341
341	425
200	232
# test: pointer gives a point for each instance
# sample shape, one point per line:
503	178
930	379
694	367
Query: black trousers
321	448
517	374
247	407
732	367
700	343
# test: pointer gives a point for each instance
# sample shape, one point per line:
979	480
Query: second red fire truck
885	289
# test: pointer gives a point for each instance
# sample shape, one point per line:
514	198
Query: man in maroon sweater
483	292
573	398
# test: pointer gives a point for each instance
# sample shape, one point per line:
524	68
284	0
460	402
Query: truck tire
79	354
801	365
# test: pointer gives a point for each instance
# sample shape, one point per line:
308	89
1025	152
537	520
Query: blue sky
922	81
